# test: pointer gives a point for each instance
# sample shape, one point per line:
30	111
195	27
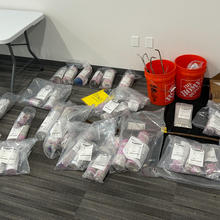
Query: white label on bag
133	148
122	106
178	152
15	132
110	106
8	155
44	92
184	113
136	126
196	157
101	162
85	152
211	156
133	105
56	130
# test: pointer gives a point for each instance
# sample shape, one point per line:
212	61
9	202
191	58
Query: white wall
99	30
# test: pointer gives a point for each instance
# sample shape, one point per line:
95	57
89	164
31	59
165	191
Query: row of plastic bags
102	78
95	149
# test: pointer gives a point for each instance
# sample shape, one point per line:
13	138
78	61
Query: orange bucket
189	82
161	86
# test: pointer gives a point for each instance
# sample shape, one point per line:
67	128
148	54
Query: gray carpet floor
48	194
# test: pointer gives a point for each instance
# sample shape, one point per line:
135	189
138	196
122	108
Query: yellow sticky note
96	98
164	129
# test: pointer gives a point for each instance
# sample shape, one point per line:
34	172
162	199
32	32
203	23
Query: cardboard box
215	88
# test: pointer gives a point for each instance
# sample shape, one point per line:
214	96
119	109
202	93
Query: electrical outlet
149	42
135	41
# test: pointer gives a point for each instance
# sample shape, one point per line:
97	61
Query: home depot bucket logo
170	94
191	88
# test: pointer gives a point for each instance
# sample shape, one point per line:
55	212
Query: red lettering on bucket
171	93
191	88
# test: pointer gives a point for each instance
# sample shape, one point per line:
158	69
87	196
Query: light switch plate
149	42
135	41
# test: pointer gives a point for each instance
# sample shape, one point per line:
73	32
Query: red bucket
189	82
161	86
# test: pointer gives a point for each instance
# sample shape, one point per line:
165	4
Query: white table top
14	23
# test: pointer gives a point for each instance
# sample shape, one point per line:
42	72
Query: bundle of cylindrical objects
53	140
108	78
63	135
59	93
132	153
122	100
83	76
45	94
96	79
52	99
14	156
49	121
191	157
113	109
22	124
127	79
70	75
79	150
42	96
58	76
74	112
99	167
65	75
78	156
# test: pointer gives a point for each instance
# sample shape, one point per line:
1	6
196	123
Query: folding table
13	24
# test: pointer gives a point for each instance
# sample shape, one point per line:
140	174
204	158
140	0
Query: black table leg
13	65
30	50
10	47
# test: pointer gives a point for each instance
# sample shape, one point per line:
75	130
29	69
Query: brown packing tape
194	136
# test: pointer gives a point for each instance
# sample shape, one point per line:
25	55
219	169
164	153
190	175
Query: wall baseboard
21	59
